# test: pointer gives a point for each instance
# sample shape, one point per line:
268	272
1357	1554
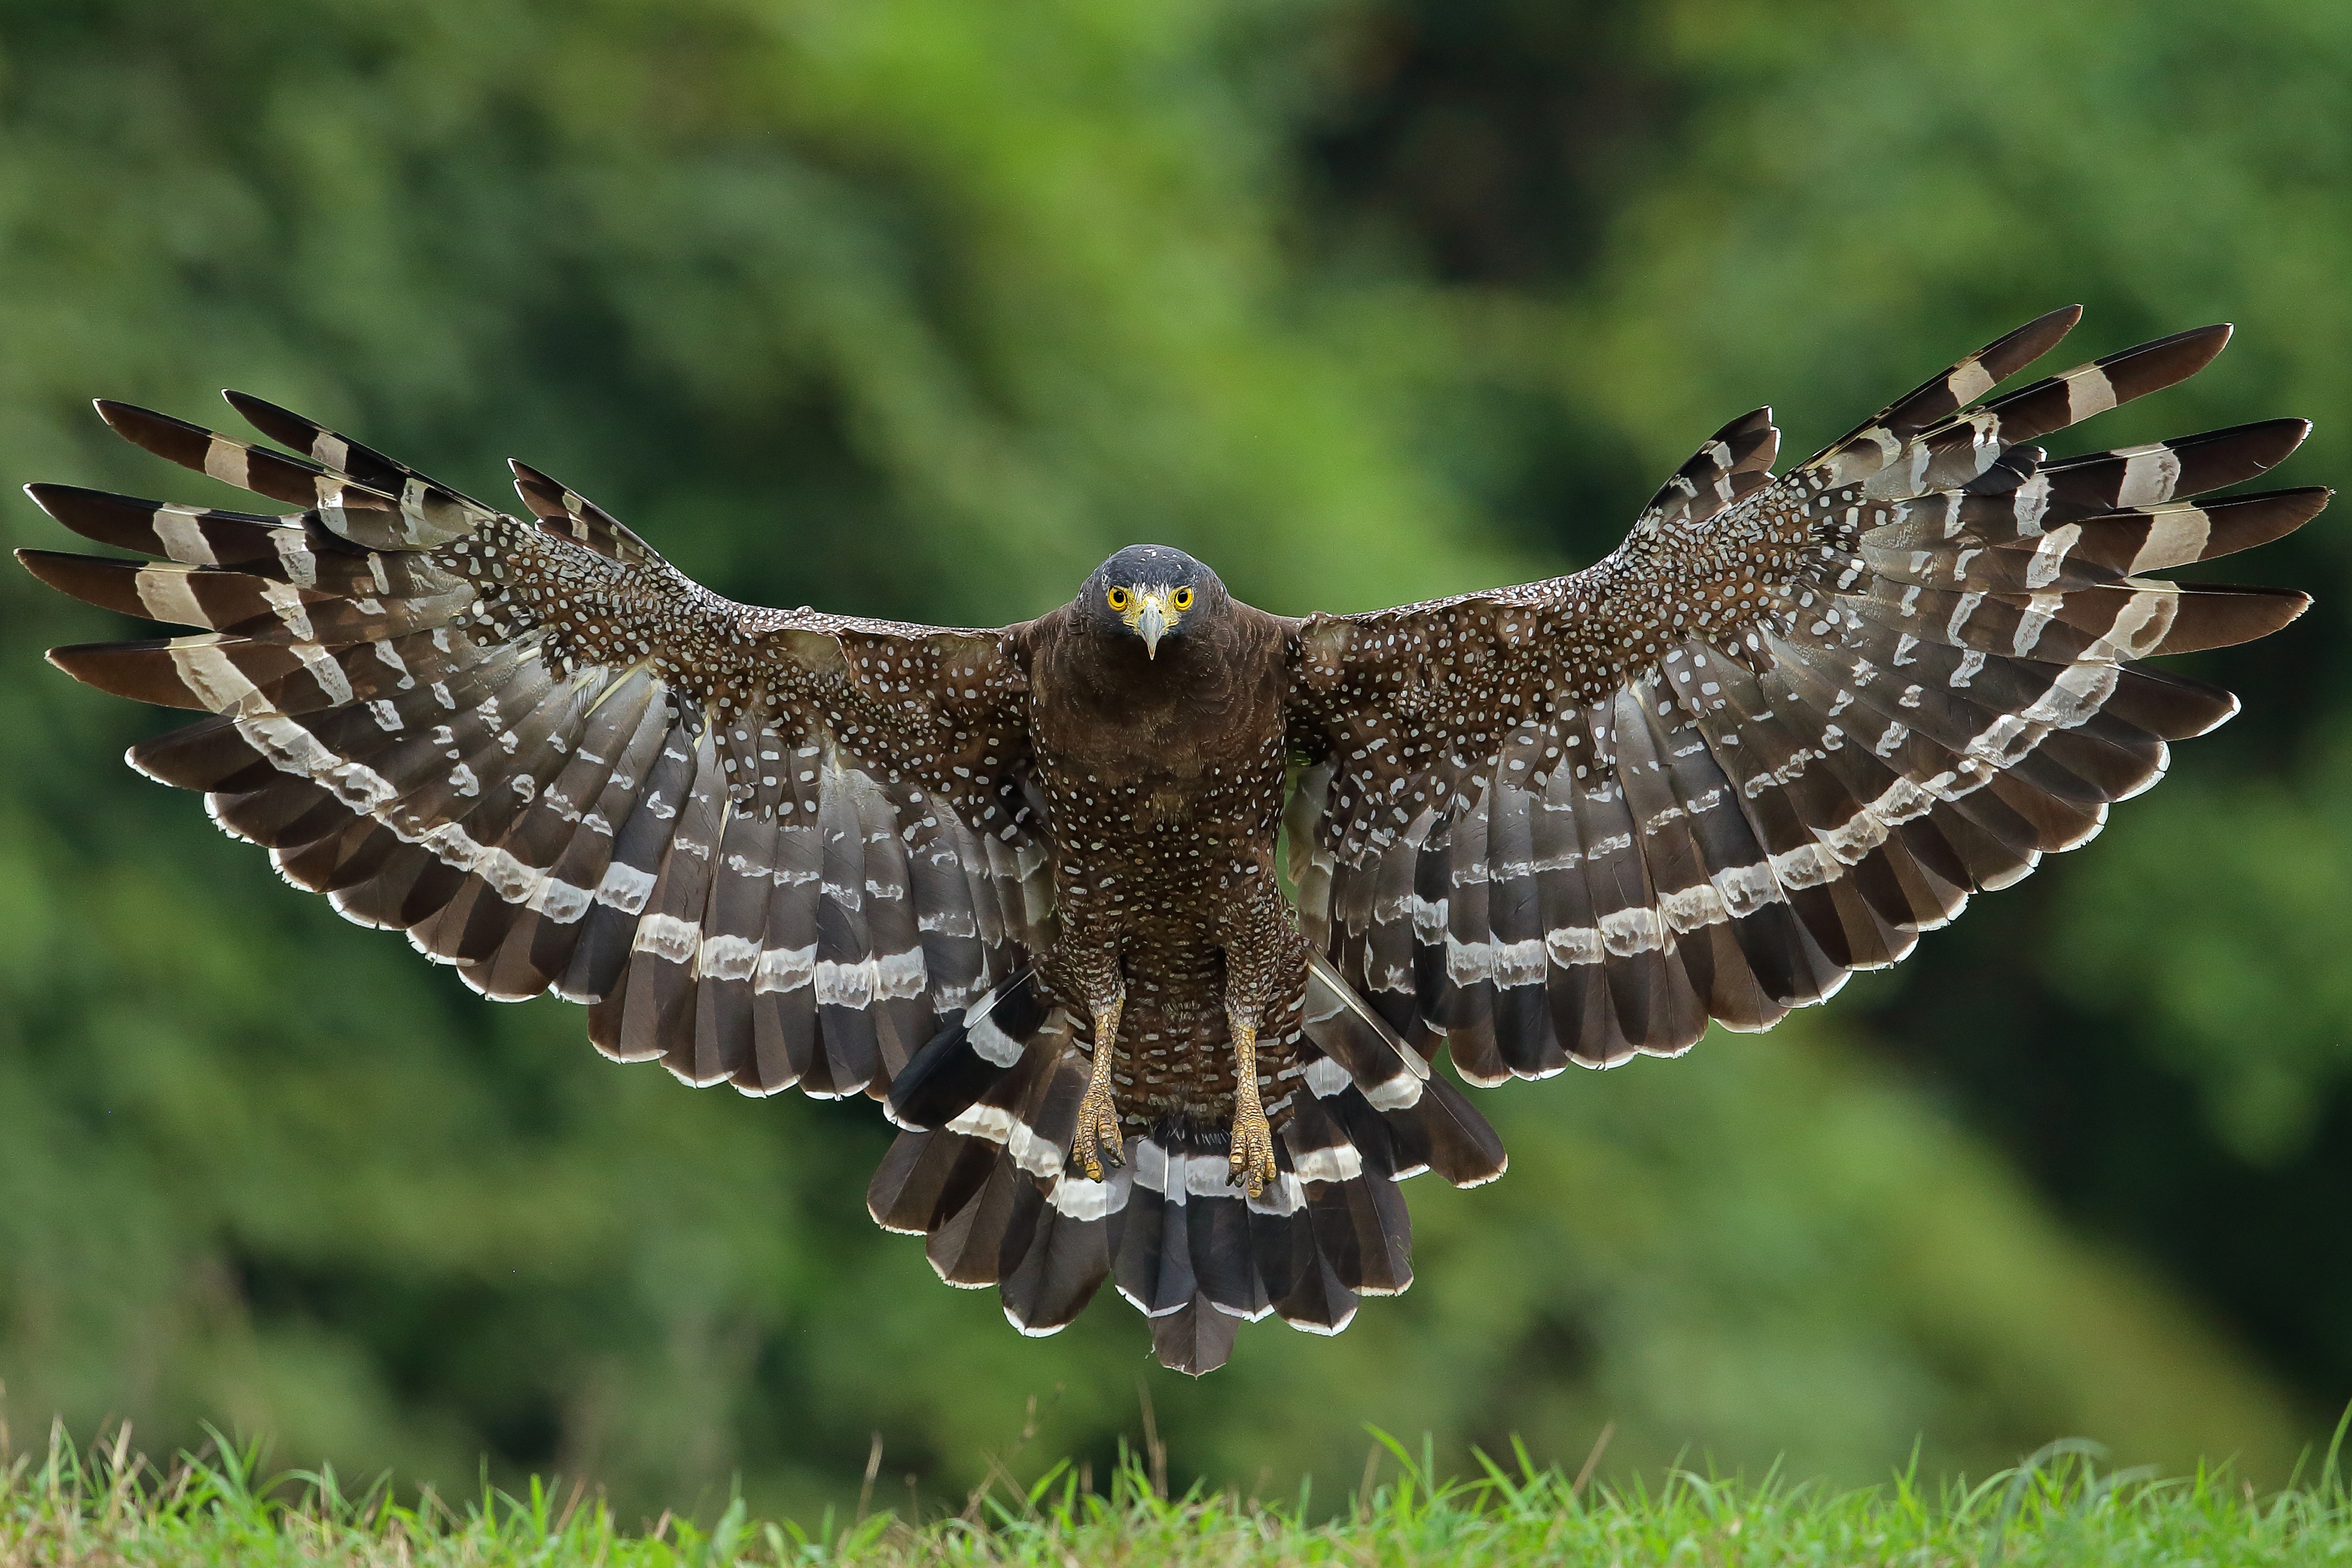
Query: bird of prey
1021	885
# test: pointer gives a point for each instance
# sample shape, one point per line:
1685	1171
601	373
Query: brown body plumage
1021	885
1164	769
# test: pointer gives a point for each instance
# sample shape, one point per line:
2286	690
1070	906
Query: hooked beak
1151	625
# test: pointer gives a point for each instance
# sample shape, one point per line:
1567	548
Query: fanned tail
983	1173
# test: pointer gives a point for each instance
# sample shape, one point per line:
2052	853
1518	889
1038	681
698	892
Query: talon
1252	1150
1097	1138
1252	1156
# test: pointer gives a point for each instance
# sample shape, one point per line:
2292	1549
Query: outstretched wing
767	847
1788	725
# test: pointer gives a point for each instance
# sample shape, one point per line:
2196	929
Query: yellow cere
1134	602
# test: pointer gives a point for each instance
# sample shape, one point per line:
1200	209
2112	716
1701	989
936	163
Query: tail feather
925	1178
1009	1119
1352	1054
1346	1029
1061	1261
981	1170
956	1065
966	1250
1194	1338
1445	1133
969	1098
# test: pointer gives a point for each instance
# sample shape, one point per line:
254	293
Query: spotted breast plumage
1021	885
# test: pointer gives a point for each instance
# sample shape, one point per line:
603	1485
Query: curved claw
1253	1140
1252	1150
1097	1136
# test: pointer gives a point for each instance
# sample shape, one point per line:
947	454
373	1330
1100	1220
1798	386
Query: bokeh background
920	308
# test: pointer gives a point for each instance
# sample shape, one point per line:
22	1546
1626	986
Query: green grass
111	1506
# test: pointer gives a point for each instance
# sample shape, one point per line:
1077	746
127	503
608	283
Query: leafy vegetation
917	308
2057	1507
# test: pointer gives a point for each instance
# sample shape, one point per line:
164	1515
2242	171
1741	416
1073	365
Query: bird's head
1150	592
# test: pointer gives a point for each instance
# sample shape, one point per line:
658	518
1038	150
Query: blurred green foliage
920	308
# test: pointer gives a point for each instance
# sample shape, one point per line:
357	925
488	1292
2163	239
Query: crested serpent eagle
1020	886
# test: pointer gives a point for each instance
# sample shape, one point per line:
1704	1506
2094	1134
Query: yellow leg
1097	1135
1253	1145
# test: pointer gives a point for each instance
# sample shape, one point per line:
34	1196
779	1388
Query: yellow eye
1119	598
1181	598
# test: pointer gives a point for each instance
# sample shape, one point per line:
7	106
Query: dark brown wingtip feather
338	453
90	579
2152	366
565	513
2243	522
2164	361
95	514
2280	607
1963	385
2225	615
2169	705
208	754
107	666
282	425
175	440
294	480
2209	460
2006	355
2108	382
2261	446
123	670
1754	444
